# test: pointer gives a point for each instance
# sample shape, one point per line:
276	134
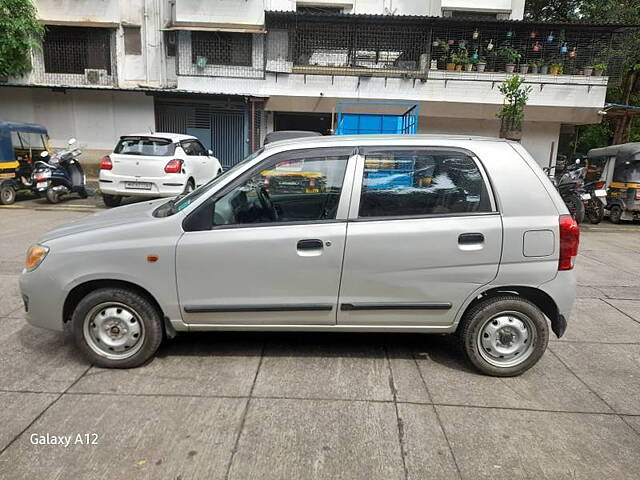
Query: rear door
423	235
143	157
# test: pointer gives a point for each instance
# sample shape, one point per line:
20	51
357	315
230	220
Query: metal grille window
74	49
221	48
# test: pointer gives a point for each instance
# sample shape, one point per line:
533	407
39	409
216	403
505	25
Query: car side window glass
414	182
200	150
288	188
187	146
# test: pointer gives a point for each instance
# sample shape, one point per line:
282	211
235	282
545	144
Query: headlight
35	256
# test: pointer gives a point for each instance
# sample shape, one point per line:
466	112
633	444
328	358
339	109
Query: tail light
105	163
569	240
173	166
600	185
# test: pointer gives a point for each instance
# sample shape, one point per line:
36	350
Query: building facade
230	71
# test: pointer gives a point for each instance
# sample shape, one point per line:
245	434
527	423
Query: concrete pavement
327	406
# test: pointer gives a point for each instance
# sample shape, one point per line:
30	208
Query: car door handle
469	238
310	244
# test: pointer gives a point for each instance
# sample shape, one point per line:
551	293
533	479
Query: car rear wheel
117	328
111	200
504	336
7	194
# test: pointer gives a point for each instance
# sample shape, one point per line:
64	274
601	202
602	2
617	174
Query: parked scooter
60	174
594	199
571	189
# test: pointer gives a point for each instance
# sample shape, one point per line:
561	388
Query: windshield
181	202
157	147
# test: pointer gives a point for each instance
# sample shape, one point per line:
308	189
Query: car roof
175	137
338	140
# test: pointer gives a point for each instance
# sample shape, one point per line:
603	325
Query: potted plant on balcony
599	69
556	69
511	114
511	56
524	68
457	59
535	66
481	64
587	71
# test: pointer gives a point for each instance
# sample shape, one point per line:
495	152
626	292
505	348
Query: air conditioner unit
95	76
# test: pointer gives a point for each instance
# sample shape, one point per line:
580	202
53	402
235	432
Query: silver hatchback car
424	234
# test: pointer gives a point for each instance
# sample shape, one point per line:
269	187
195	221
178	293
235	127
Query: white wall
541	140
250	12
398	7
95	118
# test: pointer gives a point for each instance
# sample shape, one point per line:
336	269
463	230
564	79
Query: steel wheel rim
506	339
113	330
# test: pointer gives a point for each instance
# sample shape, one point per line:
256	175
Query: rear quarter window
156	147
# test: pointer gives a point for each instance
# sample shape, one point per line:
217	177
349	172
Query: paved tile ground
325	406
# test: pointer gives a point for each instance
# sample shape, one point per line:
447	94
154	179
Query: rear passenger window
414	182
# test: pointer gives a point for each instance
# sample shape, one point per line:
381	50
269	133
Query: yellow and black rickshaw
620	176
20	145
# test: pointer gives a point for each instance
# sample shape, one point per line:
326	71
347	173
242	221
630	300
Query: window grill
74	49
220	54
75	56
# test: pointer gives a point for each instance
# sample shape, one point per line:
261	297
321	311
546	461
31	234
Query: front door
423	235
271	249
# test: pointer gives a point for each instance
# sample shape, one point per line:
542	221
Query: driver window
292	187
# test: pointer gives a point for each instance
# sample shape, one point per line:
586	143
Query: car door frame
228	310
353	217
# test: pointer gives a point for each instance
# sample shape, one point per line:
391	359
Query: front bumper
43	306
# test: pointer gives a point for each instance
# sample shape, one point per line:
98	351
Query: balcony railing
412	47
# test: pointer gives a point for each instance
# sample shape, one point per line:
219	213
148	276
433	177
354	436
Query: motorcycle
59	174
594	199
571	189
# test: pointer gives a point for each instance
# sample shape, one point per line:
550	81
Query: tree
19	33
552	10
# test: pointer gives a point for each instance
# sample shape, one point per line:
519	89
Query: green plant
20	32
600	66
509	54
461	57
559	67
515	99
537	63
481	59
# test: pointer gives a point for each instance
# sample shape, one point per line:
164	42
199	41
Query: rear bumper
169	185
562	289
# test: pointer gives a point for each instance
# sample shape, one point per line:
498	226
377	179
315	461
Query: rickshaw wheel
615	214
7	194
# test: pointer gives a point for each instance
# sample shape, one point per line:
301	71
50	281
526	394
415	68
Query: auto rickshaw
620	176
20	145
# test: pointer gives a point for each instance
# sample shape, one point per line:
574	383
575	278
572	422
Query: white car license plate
138	185
585	196
600	193
40	185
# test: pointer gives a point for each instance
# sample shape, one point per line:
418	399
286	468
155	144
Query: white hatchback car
155	165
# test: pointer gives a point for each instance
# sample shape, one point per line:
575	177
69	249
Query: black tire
52	196
111	201
595	212
575	206
476	320
615	214
7	194
147	313
83	193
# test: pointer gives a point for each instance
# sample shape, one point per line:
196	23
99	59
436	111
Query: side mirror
72	141
210	152
44	154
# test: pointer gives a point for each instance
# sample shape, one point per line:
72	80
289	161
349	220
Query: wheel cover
506	339
113	330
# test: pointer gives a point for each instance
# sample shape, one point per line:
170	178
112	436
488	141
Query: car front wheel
504	336
117	328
